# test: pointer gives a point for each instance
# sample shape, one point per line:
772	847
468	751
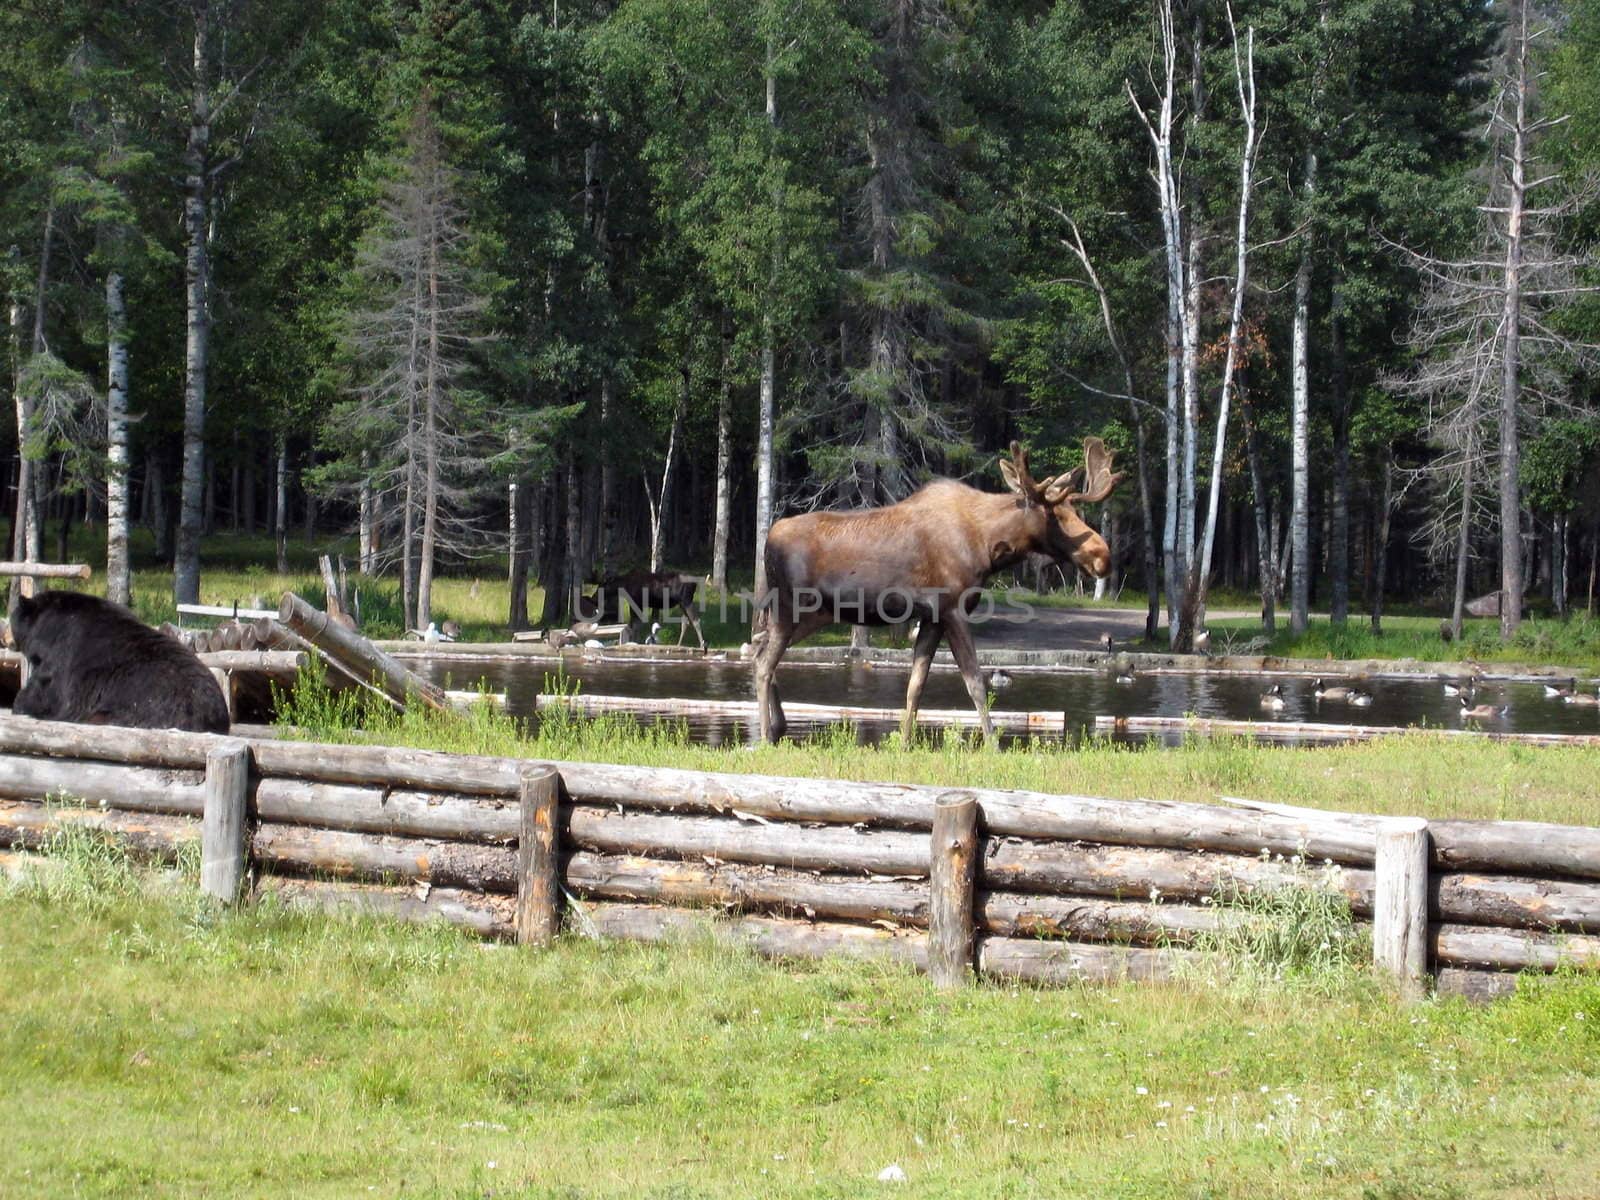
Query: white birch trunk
658	503
119	579
1300	436
765	466
1247	103
1160	131
724	511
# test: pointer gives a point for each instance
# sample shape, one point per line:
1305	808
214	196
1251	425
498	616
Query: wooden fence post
951	876
538	887
1400	904
222	825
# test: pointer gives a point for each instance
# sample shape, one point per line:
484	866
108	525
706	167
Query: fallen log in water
357	654
1007	721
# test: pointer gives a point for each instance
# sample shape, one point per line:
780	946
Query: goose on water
1481	712
1272	698
1583	698
1561	693
999	679
1323	692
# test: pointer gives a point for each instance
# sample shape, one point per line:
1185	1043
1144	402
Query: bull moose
927	558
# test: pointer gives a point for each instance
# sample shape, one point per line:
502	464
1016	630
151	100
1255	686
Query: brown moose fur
926	557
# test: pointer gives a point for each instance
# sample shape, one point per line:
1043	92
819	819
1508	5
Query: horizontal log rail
1513	847
34	570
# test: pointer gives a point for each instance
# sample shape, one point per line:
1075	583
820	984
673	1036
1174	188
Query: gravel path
1073	628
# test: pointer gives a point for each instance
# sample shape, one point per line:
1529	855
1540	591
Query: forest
586	286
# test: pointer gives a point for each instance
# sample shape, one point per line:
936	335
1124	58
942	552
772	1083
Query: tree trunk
1339	518
431	433
1266	546
1300	450
1558	564
366	518
658	503
724	509
1511	586
119	578
197	278
1247	156
1380	551
574	573
1463	545
280	513
607	524
521	546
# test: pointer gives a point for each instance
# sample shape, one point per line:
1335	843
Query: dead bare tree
1490	357
411	433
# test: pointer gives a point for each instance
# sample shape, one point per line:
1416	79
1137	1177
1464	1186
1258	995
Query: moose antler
1097	480
1014	470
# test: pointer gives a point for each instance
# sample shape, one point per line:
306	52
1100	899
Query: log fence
1009	884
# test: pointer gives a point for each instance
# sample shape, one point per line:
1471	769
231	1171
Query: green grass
155	1046
1574	642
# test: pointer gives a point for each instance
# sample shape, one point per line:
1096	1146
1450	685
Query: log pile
1001	883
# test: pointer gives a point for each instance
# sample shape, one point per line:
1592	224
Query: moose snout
1095	558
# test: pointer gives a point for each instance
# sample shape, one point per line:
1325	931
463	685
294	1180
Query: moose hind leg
928	635
769	708
966	656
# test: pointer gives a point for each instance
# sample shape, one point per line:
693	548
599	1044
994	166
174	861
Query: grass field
154	1047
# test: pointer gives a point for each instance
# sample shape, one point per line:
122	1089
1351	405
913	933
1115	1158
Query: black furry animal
95	663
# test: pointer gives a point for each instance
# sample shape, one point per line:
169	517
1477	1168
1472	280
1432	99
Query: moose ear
1008	472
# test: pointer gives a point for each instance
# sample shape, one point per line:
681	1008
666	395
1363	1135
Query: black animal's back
94	662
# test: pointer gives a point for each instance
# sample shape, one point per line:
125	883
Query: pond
1079	694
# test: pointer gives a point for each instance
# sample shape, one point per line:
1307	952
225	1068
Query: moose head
1066	535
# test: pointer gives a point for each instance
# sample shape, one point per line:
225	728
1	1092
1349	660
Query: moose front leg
769	708
928	635
966	656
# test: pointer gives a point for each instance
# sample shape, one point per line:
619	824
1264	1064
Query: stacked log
1061	887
